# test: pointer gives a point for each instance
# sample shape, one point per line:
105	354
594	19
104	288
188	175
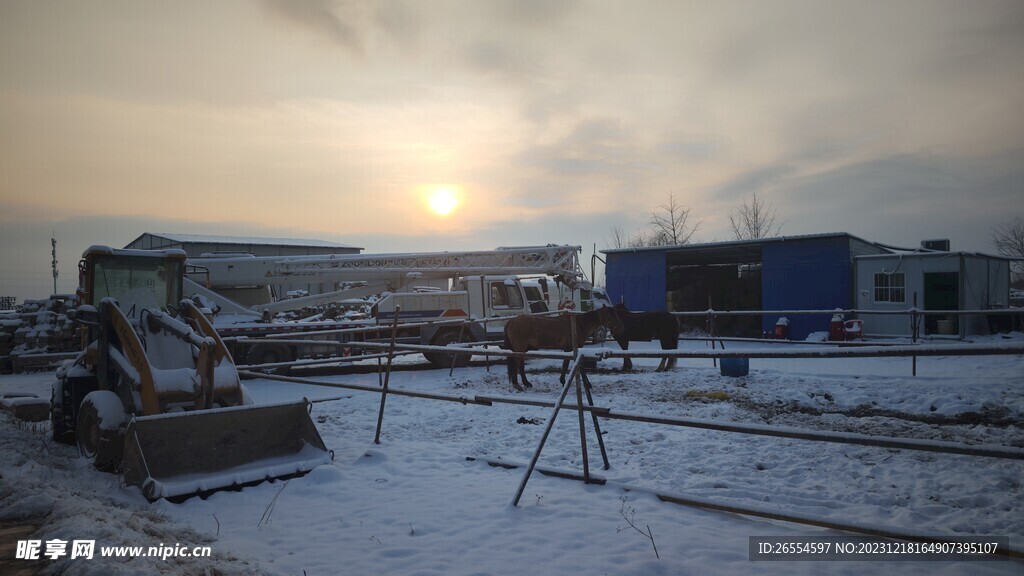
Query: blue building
812	272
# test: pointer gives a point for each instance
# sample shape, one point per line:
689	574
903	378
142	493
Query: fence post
593	416
711	330
913	334
455	357
547	432
380	373
387	375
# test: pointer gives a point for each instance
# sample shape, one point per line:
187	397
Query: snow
12	401
108	408
307	458
255	240
175	381
415	504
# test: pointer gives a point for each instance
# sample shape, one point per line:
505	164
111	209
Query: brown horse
527	332
645	326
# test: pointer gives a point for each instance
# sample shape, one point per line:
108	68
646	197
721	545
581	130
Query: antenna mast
53	263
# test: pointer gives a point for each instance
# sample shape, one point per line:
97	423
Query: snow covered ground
416	504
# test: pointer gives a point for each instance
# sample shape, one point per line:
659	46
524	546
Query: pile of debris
39	336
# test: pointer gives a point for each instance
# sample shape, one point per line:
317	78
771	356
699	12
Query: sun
442	201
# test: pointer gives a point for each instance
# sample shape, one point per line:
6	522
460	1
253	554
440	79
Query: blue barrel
735	366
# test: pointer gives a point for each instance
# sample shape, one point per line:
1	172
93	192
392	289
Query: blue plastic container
735	366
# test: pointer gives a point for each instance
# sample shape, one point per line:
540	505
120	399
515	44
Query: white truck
474	285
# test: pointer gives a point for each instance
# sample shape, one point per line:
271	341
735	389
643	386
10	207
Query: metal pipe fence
579	376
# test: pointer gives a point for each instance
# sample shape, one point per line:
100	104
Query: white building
931	280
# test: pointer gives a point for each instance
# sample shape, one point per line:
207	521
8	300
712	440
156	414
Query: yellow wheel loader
155	395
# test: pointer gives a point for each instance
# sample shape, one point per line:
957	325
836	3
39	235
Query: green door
942	292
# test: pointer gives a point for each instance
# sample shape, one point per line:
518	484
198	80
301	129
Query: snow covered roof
251	240
911	253
728	243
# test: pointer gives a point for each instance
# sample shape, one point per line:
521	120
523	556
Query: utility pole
53	263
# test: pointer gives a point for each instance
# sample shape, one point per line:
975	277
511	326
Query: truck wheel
269	354
442	360
99	433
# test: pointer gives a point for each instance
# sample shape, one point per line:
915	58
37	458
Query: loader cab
137	279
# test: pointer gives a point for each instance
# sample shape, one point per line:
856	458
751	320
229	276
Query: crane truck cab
470	298
545	294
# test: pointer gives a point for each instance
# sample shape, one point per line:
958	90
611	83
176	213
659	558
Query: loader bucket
187	453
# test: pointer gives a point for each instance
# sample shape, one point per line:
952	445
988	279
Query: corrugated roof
254	240
935	254
727	243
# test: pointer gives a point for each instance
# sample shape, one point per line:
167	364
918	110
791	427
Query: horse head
610	320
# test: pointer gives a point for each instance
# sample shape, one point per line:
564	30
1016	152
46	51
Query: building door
942	292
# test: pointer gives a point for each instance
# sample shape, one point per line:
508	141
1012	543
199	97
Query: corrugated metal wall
813	274
638	278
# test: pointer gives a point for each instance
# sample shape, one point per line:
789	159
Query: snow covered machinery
156	395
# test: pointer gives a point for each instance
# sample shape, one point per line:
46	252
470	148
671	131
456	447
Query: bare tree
1008	239
670	224
640	239
754	220
617	238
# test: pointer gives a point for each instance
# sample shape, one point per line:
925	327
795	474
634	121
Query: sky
549	121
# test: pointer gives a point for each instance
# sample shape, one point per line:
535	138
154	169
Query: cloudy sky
549	120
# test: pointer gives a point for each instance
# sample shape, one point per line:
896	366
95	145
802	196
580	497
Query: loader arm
112	319
222	384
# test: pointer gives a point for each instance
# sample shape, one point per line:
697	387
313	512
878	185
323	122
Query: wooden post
485	314
579	401
387	375
547	432
455	357
593	416
913	334
711	330
583	430
380	374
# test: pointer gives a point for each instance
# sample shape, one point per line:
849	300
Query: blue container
735	366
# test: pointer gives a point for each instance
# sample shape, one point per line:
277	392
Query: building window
890	287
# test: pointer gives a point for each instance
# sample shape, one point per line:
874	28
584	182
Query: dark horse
527	332
645	326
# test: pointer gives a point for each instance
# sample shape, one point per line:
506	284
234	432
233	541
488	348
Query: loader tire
442	360
61	431
99	432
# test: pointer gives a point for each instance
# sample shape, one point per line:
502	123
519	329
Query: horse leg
627	362
522	372
565	368
673	344
668	342
512	363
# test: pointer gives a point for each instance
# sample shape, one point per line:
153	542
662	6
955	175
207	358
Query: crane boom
278	270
